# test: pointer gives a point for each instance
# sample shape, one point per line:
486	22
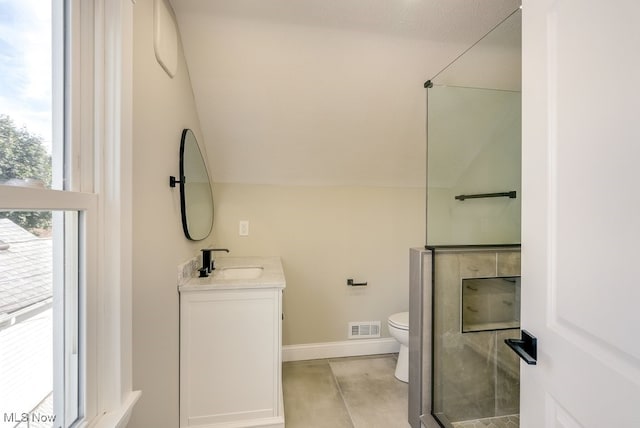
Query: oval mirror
196	197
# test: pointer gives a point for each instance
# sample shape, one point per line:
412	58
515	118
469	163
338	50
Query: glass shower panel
473	232
475	376
473	148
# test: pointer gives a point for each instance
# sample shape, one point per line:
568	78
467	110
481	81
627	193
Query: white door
581	212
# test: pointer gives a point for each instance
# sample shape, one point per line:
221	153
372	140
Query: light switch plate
244	228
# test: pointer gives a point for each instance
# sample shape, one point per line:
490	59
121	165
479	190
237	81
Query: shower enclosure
476	306
470	267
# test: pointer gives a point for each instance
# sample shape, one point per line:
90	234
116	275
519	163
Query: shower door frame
422	268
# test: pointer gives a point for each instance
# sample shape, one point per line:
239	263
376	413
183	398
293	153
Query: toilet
399	330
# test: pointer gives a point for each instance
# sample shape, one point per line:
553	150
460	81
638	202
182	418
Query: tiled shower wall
475	374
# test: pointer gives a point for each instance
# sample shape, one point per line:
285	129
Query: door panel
581	226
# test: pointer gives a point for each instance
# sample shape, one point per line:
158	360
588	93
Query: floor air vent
364	329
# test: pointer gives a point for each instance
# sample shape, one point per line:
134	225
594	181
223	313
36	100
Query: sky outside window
25	65
26	102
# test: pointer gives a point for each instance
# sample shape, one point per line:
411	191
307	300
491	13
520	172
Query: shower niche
469	272
490	304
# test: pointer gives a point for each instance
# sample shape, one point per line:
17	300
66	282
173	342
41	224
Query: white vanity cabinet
230	346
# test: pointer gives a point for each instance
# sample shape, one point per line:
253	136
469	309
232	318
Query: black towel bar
511	194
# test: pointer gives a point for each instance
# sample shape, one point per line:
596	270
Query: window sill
118	418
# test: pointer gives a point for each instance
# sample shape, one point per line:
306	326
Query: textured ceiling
322	92
436	20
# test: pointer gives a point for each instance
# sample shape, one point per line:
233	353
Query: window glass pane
38	321
26	88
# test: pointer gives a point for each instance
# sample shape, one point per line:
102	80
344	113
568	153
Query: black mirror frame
182	182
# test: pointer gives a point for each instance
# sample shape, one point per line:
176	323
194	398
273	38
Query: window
81	91
39	325
47	227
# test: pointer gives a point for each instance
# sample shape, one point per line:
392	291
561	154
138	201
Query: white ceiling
322	92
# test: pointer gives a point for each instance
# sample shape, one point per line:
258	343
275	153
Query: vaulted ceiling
322	92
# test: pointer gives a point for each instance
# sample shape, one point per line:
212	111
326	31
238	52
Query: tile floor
355	392
511	421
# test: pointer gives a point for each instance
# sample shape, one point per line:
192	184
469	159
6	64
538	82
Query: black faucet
208	264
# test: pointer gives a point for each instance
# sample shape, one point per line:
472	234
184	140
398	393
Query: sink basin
240	272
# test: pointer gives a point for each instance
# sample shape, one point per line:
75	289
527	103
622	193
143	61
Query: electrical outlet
244	228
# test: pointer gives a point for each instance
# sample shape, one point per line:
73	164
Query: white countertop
272	275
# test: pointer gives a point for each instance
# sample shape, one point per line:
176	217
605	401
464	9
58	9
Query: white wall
325	235
162	107
323	107
322	92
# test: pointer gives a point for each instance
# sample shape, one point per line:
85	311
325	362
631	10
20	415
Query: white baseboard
347	348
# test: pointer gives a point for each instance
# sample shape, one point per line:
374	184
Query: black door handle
526	347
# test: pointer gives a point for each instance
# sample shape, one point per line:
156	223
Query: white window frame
31	199
97	114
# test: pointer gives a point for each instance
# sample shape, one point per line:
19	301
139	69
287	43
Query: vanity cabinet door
230	356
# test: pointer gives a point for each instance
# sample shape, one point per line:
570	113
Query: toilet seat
399	330
399	320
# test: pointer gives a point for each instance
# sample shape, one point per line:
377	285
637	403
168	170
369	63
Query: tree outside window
24	161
